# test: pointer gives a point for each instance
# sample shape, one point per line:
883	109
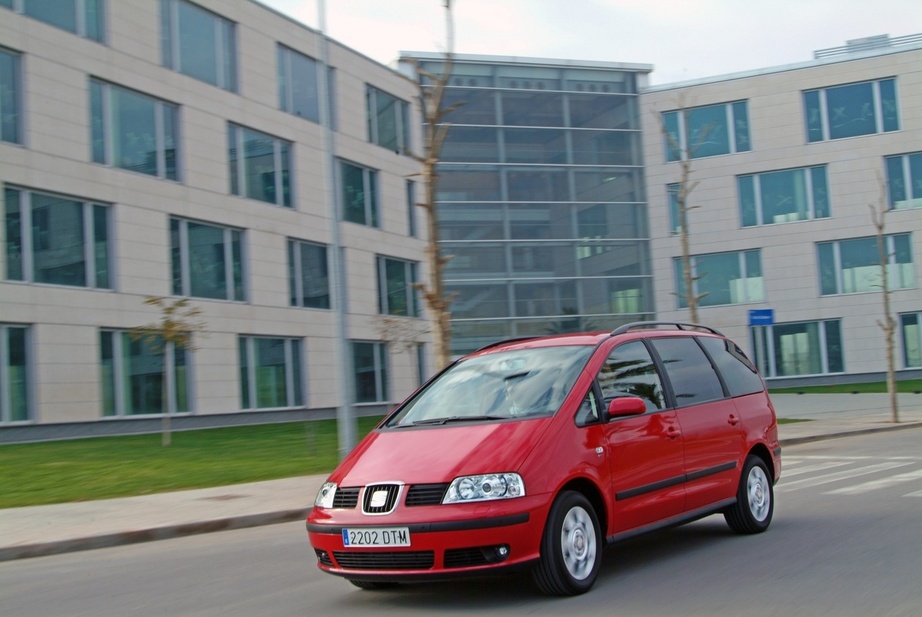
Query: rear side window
689	370
739	373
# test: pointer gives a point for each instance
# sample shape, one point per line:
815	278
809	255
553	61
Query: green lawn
907	385
102	467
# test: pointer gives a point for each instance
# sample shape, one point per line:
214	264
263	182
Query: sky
682	39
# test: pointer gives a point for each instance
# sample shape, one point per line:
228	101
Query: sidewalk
46	530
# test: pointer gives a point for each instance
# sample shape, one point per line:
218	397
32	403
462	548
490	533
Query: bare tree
404	334
685	152
888	324
435	130
178	321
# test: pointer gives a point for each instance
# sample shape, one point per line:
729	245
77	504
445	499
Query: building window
207	260
411	208
14	374
199	43
396	291
851	110
369	364
10	97
783	196
82	17
794	349
56	240
675	218
723	278
388	120
134	131
259	165
904	180
853	266
297	75
911	328
707	131
132	376
270	372
308	276
359	194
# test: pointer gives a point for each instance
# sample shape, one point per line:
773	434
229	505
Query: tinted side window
630	371
689	370
739	373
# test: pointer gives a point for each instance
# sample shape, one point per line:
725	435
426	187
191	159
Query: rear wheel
755	499
571	548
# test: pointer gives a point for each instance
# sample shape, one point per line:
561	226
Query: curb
793	441
42	549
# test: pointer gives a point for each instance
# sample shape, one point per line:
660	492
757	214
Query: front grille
324	557
380	498
465	557
426	494
381	560
346	497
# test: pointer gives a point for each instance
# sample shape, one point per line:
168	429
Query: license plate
377	536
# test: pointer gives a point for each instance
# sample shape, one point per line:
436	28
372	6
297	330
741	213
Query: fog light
496	554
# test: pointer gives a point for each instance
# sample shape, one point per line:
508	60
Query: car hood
439	454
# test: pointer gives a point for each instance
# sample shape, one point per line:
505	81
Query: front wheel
571	548
755	499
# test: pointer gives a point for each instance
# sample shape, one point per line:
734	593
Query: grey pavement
45	530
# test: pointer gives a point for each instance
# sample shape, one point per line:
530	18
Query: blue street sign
761	317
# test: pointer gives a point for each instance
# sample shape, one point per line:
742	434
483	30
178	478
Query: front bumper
446	542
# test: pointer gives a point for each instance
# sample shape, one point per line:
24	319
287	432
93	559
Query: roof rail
654	325
506	342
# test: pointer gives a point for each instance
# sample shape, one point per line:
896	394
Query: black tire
372	585
571	548
755	499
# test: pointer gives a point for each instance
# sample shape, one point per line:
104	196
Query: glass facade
10	97
541	201
270	372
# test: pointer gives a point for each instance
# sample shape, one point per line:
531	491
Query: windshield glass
498	386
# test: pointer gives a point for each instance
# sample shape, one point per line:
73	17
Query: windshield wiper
448	419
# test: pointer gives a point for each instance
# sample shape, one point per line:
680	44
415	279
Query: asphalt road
846	541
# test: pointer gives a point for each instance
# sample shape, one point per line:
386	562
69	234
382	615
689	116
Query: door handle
672	432
733	420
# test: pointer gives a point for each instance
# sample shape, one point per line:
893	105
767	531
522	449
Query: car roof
639	329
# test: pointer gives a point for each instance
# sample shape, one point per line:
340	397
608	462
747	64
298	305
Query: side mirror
626	406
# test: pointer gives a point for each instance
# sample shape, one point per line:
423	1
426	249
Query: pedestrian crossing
851	475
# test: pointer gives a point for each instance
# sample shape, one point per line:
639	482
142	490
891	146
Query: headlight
485	488
325	495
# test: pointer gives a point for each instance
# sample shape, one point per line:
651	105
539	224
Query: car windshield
497	386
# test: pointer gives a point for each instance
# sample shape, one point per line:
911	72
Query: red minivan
539	452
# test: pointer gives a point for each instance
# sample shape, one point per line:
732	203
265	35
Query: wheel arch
590	491
761	451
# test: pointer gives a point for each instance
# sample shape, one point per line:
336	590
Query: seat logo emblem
378	499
